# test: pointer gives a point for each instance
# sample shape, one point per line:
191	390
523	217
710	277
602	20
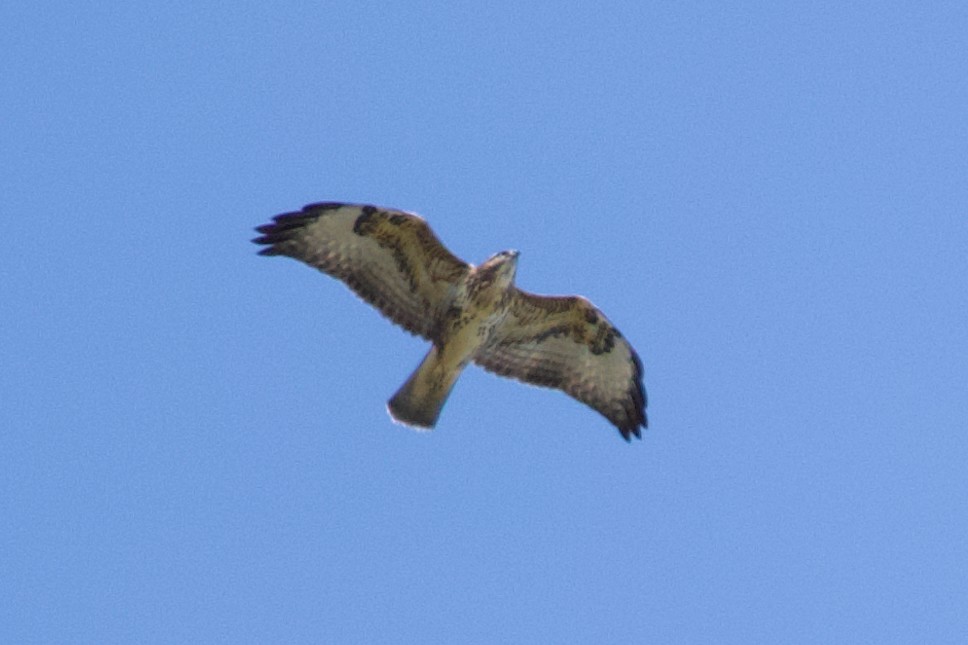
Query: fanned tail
419	401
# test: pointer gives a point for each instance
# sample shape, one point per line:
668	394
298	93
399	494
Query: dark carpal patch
603	341
366	222
372	223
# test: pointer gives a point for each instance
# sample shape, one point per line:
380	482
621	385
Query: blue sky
768	199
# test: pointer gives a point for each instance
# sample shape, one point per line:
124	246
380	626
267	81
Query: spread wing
567	343
391	259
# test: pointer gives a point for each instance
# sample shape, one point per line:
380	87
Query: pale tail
419	401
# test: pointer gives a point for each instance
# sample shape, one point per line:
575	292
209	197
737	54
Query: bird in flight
392	260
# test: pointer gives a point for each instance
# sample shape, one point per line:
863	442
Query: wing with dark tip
568	344
390	258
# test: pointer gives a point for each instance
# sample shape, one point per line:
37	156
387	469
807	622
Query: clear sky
770	200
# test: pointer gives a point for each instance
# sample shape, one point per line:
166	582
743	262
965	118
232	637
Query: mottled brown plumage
394	261
567	343
390	259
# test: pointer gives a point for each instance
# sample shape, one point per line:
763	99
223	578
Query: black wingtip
269	240
283	226
281	230
269	250
639	399
627	433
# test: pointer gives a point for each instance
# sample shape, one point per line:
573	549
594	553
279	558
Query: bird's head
501	267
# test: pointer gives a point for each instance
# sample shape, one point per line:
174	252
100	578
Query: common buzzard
393	260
